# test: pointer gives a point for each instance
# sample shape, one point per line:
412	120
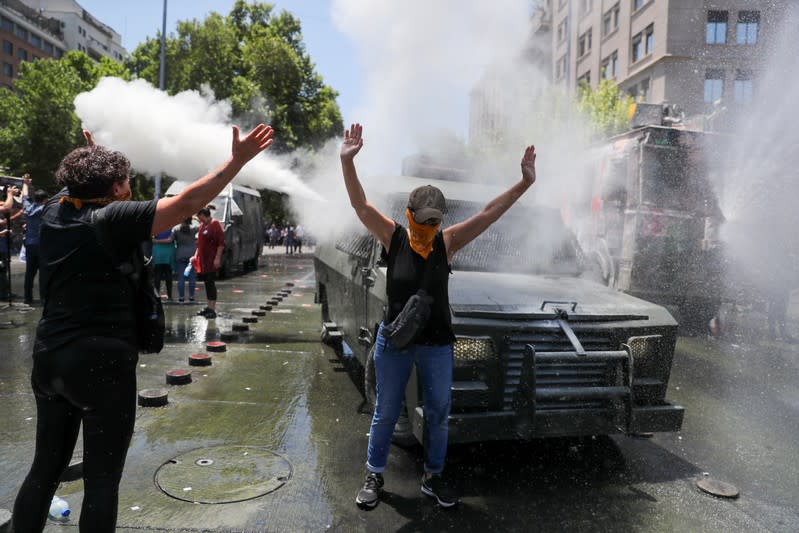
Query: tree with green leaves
606	108
257	60
38	124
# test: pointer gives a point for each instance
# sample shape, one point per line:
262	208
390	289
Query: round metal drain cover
717	488
223	474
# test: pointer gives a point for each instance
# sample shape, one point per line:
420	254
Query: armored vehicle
651	225
541	351
239	211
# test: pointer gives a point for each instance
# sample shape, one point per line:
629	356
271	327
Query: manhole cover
717	488
223	474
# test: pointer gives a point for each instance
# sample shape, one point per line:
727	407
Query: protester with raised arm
421	252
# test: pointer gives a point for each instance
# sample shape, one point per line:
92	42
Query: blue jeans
181	265
392	371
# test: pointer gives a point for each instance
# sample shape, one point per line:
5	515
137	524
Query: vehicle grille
580	373
359	245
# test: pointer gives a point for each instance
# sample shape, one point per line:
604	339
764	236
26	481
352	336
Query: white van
239	210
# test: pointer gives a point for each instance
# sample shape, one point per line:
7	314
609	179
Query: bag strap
428	266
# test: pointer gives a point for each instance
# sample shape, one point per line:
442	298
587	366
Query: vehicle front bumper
508	425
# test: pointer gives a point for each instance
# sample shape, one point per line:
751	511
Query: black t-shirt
84	291
404	277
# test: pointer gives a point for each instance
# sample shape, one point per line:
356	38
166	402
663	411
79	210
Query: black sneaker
369	495
435	487
209	314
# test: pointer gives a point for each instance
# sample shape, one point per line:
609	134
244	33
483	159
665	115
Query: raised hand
252	144
89	139
353	141
528	165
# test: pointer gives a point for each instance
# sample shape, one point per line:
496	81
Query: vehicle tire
695	315
322	298
403	432
224	268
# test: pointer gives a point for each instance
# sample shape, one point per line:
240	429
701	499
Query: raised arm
376	222
173	210
459	235
26	185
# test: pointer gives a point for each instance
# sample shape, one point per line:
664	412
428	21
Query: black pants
31	268
163	272
91	380
209	278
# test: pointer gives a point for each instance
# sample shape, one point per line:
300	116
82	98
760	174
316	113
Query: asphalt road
284	427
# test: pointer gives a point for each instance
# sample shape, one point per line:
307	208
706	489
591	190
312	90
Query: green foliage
606	108
38	125
258	61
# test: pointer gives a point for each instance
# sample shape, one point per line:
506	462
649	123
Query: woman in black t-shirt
408	251
86	350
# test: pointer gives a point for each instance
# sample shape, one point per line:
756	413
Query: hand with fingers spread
89	138
528	165
353	142
252	144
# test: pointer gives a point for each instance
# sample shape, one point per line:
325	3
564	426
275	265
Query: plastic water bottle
59	510
187	271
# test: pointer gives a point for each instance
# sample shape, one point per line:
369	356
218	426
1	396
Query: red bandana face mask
421	235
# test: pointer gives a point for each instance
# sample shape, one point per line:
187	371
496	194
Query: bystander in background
185	246
32	207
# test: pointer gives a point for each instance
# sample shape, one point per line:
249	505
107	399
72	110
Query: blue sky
331	50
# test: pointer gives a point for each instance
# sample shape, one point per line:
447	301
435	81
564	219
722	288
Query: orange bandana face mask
421	235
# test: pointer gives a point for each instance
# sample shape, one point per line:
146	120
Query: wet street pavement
273	437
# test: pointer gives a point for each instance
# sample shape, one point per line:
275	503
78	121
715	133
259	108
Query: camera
10	181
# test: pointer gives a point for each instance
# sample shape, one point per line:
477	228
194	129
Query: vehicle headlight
468	350
644	346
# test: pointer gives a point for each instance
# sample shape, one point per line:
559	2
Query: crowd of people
291	236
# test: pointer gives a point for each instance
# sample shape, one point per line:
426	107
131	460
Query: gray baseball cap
427	202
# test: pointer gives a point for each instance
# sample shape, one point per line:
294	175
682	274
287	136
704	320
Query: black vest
405	274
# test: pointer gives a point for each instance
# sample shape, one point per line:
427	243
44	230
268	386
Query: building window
6	25
562	30
633	92
36	41
610	66
560	67
22	54
746	31
8	47
585	7
48	48
649	39
59	53
21	32
714	84
743	87
638	47
643	91
716	27
585	79
8	70
584	44
638	4
610	21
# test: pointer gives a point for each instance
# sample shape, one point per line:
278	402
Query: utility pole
161	84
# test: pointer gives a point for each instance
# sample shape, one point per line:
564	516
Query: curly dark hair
89	172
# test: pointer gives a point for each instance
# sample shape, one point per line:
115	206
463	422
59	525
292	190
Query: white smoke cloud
184	136
422	60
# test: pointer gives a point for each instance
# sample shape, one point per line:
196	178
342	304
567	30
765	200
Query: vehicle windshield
525	240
